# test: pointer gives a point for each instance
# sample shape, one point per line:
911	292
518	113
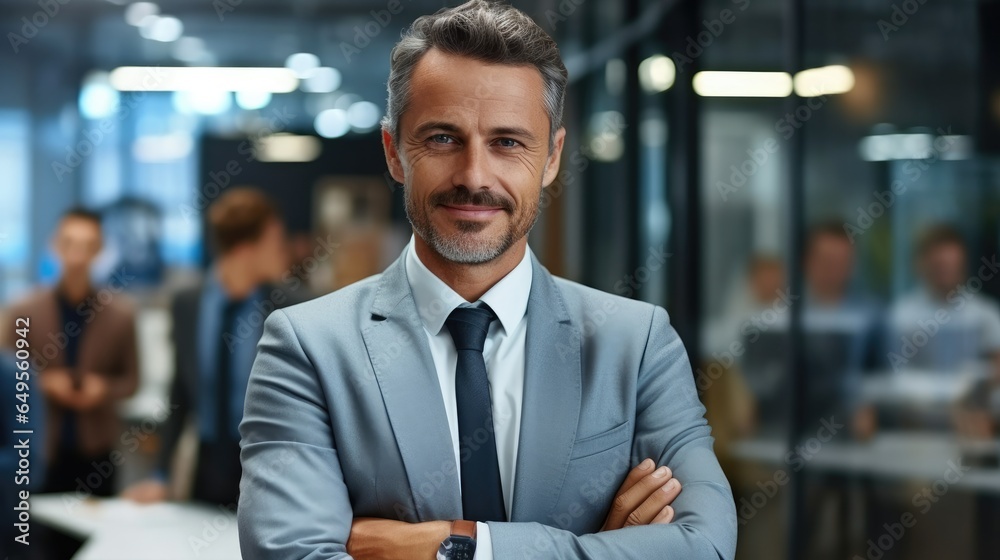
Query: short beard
460	248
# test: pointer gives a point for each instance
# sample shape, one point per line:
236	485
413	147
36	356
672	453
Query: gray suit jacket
344	418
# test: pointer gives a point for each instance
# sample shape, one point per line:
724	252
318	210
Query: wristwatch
461	544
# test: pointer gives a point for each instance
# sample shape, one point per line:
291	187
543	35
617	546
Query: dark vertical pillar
633	145
794	21
683	151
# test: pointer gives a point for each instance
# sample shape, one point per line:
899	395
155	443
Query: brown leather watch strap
464	528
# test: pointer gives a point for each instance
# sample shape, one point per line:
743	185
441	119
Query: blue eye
440	138
508	142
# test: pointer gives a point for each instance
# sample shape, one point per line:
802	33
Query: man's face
943	267
271	252
829	264
473	155
767	278
77	243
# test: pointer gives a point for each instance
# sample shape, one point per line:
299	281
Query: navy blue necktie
482	495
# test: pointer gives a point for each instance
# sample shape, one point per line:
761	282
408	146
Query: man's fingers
665	516
654	504
626	502
636	474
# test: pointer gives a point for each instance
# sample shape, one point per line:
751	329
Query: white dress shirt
503	353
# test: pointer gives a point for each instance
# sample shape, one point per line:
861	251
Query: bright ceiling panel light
137	12
98	100
332	123
302	63
826	80
363	116
165	29
203	78
322	80
742	84
657	73
205	102
253	100
288	148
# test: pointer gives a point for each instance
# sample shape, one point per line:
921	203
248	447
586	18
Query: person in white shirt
465	403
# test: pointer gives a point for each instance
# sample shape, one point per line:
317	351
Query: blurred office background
810	187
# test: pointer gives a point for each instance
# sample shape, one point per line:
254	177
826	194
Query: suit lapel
399	353
550	408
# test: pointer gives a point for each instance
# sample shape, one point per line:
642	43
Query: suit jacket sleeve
670	428
293	500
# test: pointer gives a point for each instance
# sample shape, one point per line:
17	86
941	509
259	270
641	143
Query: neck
470	281
75	287
236	276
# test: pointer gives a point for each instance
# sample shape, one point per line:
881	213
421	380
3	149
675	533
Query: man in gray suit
465	403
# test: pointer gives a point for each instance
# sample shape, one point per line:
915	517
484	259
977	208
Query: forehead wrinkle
434	77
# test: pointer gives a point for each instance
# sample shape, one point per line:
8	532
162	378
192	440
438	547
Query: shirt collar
435	300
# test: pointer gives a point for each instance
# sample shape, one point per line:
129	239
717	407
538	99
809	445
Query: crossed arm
286	440
644	498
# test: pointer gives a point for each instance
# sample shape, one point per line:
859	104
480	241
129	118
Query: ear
392	159
552	163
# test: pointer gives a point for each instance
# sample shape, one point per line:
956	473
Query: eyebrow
450	127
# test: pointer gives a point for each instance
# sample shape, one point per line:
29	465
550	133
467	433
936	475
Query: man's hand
644	498
93	391
57	385
385	539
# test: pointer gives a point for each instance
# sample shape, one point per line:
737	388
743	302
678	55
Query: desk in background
117	529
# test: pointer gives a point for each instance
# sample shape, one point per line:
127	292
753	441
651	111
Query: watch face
457	547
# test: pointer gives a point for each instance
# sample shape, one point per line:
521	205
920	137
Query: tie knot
469	325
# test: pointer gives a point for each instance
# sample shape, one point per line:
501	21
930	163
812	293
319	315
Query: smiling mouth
471	211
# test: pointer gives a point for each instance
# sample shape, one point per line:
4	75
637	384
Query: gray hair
484	30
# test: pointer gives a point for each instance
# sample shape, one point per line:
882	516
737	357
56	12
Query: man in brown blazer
83	350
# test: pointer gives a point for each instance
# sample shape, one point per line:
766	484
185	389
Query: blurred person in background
843	333
83	342
216	326
946	326
760	326
842	341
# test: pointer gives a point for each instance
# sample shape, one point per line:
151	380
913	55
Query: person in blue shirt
216	326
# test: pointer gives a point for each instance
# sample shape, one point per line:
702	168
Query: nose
474	170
